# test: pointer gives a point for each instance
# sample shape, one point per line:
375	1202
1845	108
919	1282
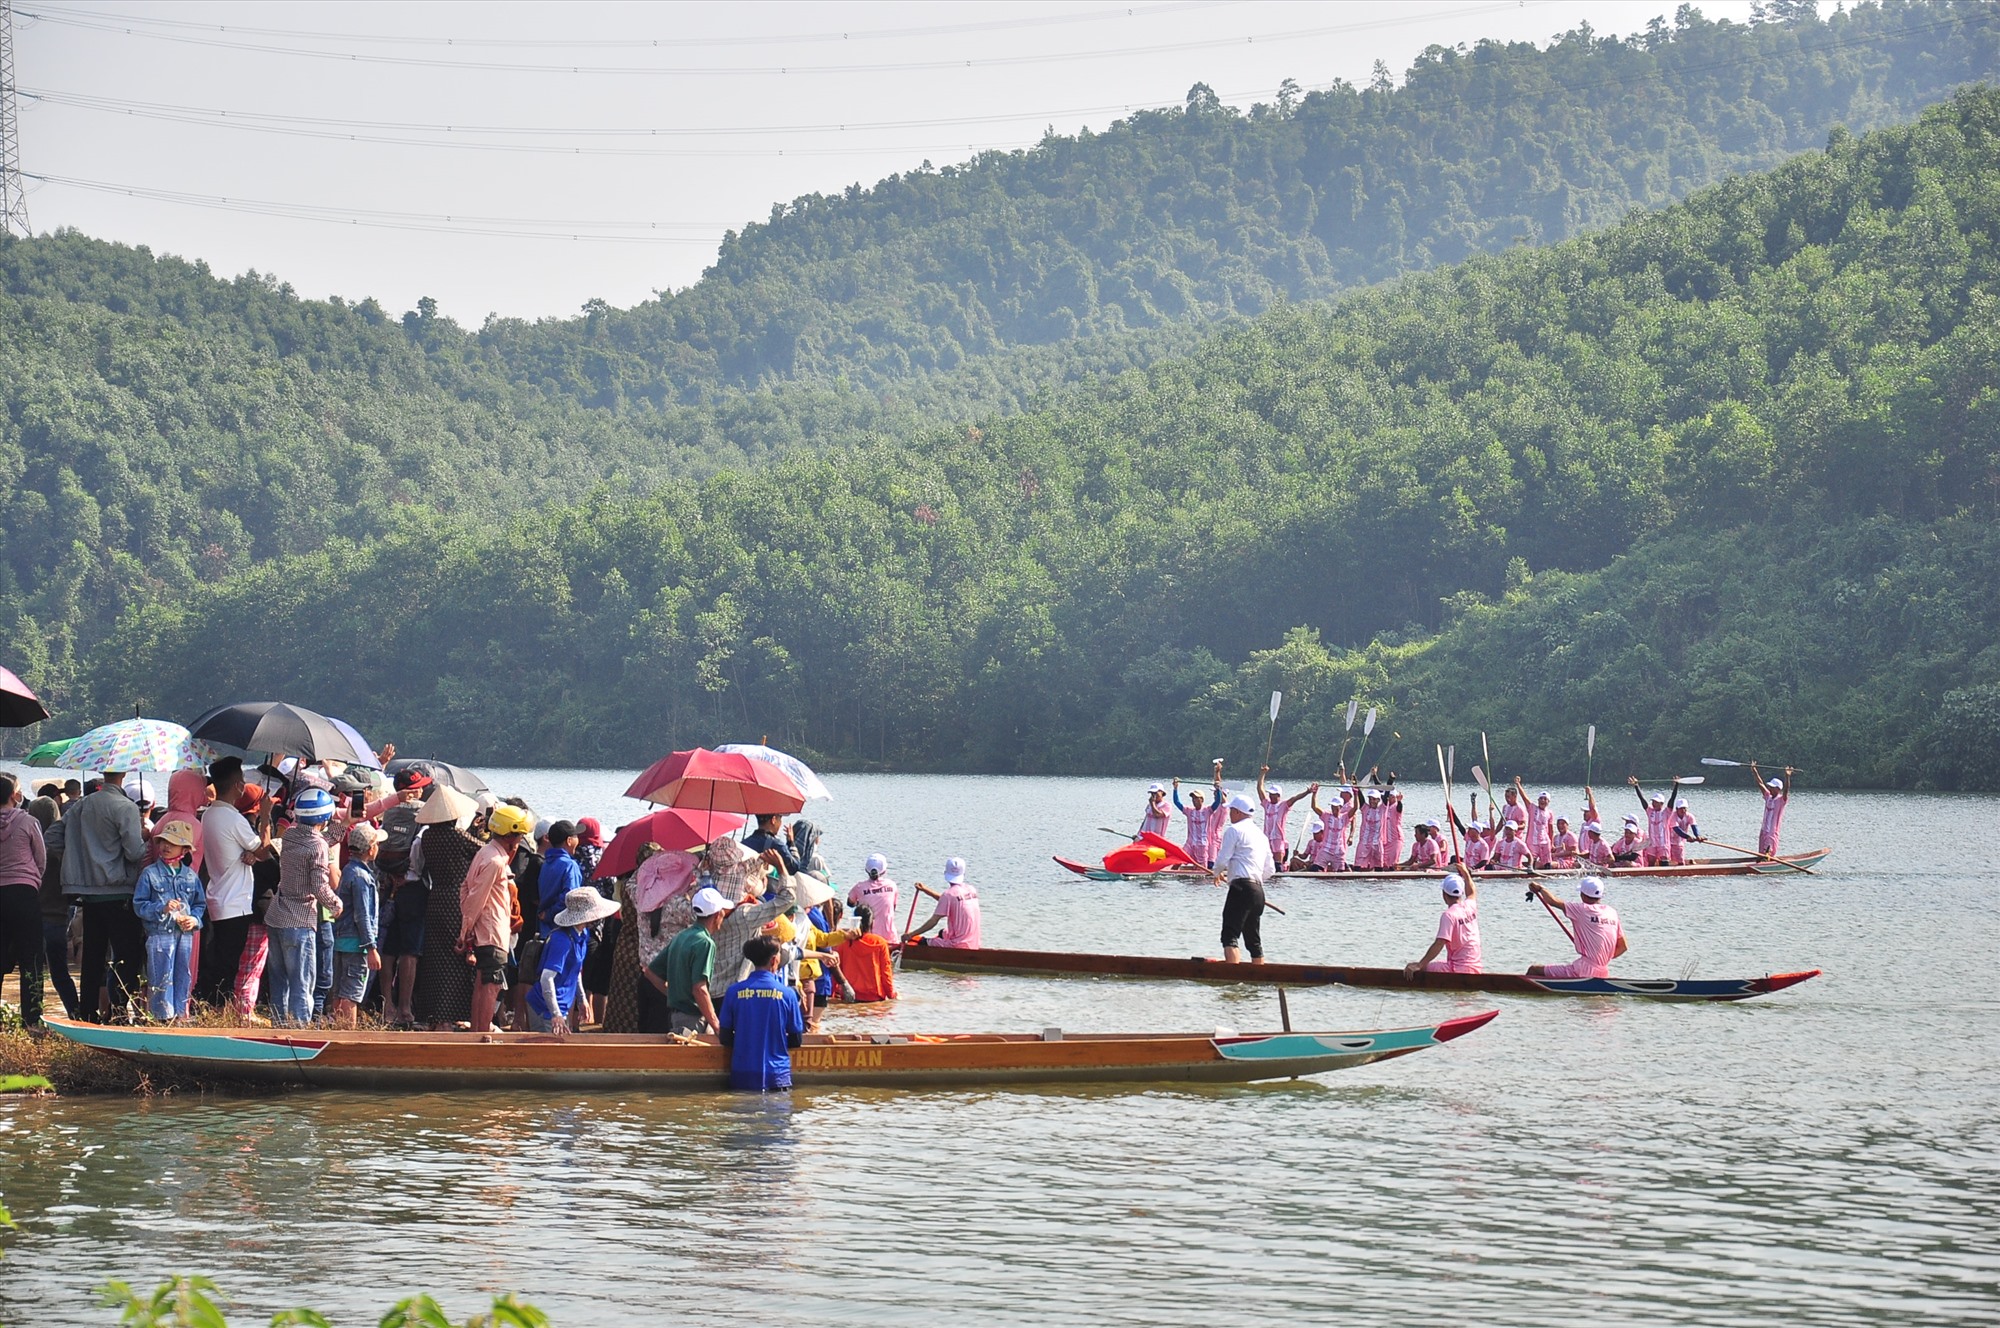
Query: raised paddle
1589	752
1347	733
1277	699
1451	817
1716	760
1367	732
1761	857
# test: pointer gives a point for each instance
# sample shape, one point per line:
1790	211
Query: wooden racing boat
1056	963
429	1062
1788	865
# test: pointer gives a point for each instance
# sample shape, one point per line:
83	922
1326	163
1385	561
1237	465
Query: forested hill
982	283
1724	476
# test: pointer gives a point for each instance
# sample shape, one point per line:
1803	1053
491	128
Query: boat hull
1794	864
1049	963
431	1062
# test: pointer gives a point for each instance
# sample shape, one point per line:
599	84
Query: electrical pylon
13	191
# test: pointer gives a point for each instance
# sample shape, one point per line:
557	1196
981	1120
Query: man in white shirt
1243	859
229	844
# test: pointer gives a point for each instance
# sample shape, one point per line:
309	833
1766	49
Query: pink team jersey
959	907
1197	839
1564	850
1541	826
1597	936
1677	847
1330	848
1659	833
880	897
1154	822
1774	814
1477	852
1458	928
1274	831
1392	833
1599	852
1509	854
1424	853
1516	813
1368	845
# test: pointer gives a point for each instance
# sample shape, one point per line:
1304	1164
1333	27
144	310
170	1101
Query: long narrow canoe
430	1062
1791	864
1052	963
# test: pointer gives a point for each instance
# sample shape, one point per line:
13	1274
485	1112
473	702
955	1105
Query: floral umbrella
801	774
136	744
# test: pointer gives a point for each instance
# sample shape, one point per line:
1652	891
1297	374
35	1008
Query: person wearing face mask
169	901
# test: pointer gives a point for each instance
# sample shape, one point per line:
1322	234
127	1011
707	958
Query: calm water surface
1830	1155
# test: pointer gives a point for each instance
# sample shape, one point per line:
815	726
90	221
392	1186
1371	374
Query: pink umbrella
718	782
19	706
670	827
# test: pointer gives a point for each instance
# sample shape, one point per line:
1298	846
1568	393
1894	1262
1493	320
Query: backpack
399	828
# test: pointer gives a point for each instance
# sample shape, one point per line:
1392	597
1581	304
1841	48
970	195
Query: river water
1827	1155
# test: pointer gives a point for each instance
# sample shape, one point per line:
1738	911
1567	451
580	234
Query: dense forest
1727	473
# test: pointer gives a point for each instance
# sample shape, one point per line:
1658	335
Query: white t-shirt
226	835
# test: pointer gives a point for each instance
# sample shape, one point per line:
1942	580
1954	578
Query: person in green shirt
683	969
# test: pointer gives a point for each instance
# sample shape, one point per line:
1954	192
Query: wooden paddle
1347	733
1761	857
1716	760
1589	752
1277	699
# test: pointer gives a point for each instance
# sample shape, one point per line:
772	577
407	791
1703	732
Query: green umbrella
50	753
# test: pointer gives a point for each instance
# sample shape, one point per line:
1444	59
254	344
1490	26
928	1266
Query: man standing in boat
1597	934
1777	795
1243	860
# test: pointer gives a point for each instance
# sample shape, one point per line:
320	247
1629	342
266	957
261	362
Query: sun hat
1591	888
175	832
584	905
313	807
811	890
954	871
1240	803
708	902
445	805
1452	885
876	864
361	837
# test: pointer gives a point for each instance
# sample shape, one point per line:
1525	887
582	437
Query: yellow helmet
507	819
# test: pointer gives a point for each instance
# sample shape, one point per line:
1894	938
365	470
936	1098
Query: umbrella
441	772
48	753
718	782
18	706
284	730
135	744
670	827
801	774
357	742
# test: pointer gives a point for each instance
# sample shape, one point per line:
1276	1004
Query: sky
523	158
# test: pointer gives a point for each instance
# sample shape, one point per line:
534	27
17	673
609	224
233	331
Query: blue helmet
313	807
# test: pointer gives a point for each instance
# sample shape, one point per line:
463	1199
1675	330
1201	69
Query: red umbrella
669	827
718	782
19	707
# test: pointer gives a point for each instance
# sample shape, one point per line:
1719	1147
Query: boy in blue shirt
761	1021
552	1000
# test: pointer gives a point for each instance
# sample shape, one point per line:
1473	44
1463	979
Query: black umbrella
283	730
441	772
18	706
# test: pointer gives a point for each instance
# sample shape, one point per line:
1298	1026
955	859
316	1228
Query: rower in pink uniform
1329	847
1373	818
1455	948
878	895
1392	825
1777	794
1539	828
1659	809
1428	850
1596	849
1598	935
1514	812
1199	840
1271	800
957	908
1511	853
1685	831
1563	852
1155	819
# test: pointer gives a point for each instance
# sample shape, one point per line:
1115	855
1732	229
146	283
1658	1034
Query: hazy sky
460	150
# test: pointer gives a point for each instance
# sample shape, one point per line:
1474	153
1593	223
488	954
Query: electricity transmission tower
13	194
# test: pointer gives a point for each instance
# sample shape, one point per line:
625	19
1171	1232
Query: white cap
1774	782
1241	803
954	871
1541	797
1156	788
138	788
1592	828
1591	888
708	902
1632	821
1452	886
1680	803
1373	795
1476	826
486	799
1432	825
1659	797
542	828
1275	790
877	863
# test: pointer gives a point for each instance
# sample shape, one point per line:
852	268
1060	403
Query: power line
13	196
738	71
651	43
